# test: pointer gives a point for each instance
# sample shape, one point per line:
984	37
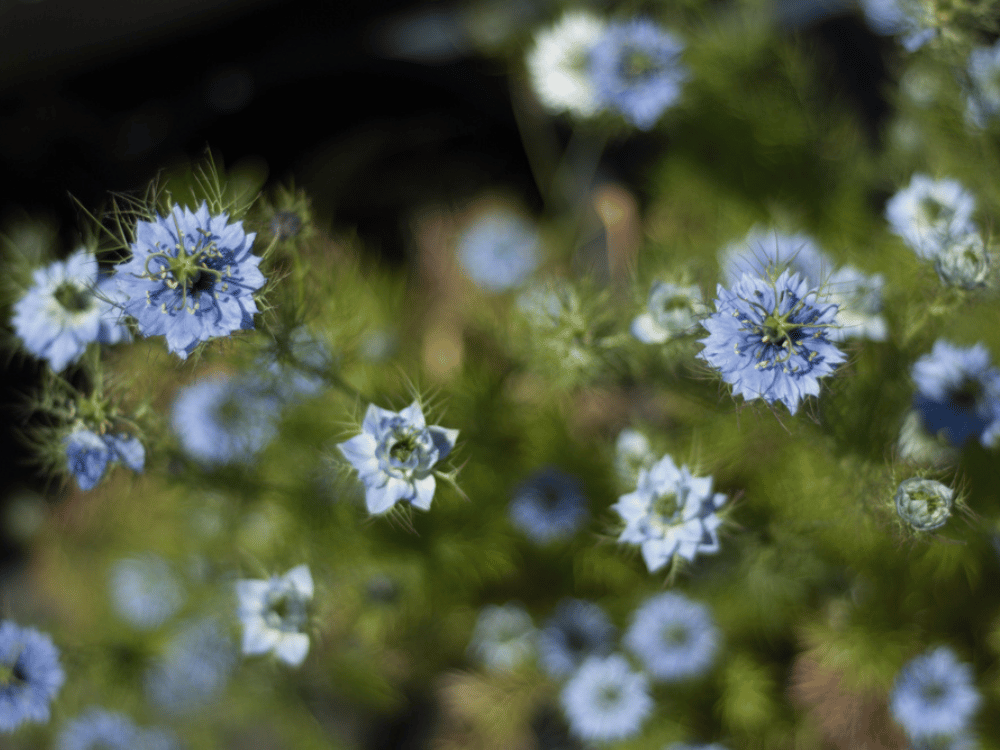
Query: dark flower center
190	269
675	635
933	692
73	297
967	395
637	64
12	674
609	695
286	612
666	506
403	448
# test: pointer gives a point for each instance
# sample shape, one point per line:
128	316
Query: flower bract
88	455
934	697
30	675
274	614
605	700
674	637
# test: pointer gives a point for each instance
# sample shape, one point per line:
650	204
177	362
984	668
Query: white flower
671	311
929	213
273	613
559	64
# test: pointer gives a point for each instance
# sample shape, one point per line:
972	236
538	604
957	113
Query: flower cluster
89	454
274	614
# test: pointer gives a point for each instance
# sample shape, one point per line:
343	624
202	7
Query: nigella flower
674	637
929	214
934	697
924	503
194	669
558	64
763	251
983	101
958	393
96	729
671	311
30	675
67	308
909	19
577	629
549	506
499	250
223	419
395	456
671	513
605	700
769	339
503	637
637	71
191	278
144	591
274	614
964	262
858	297
89	454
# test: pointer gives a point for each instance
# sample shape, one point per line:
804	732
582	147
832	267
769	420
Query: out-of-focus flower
671	311
632	454
605	700
191	278
765	252
96	729
274	614
934	698
30	675
912	20
66	309
144	591
294	367
674	637
503	638
769	339
958	393
395	455
499	250
88	455
559	64
671	513
964	262
194	669
924	503
983	100
549	506
930	214
577	629
858	297
637	71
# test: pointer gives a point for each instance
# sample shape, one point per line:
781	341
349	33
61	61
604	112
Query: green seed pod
924	504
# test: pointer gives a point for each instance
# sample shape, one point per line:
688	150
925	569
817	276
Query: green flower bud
924	503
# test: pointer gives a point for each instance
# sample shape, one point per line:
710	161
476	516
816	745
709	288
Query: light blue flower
958	393
274	613
934	697
674	637
983	100
670	513
499	251
766	252
910	19
605	700
144	591
89	454
671	311
194	669
930	214
223	419
395	455
191	278
96	729
770	339
30	675
549	506
503	637
636	69
858	297
68	307
577	629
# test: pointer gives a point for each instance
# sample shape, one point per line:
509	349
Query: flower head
934	697
671	513
605	700
558	64
770	339
30	675
499	250
674	637
503	637
637	71
930	214
549	506
89	454
671	311
194	669
964	262
576	630
66	309
924	503
144	591
762	251
191	278
983	100
96	729
274	614
958	393
395	455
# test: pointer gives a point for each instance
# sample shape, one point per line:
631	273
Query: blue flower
931	214
550	506
66	309
674	637
194	669
934	697
605	700
89	454
144	591
670	513
274	614
395	455
671	311
770	339
636	70
223	420
30	675
503	638
983	101
191	278
499	251
958	392
765	251
906	18
576	630
100	730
